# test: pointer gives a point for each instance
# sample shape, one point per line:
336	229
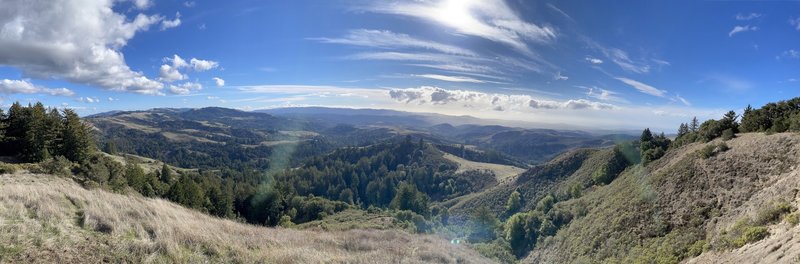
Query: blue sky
607	64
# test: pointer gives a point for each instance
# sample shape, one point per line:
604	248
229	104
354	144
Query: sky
603	64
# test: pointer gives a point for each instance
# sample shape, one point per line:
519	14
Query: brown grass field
47	219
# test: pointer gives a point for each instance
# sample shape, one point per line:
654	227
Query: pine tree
683	129
694	125
646	136
166	174
77	143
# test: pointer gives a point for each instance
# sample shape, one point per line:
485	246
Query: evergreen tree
409	198
694	125
646	136
683	130
77	143
166	174
483	224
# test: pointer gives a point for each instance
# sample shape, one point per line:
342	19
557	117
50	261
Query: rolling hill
49	219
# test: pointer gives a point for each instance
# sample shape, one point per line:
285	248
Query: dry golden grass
500	171
45	219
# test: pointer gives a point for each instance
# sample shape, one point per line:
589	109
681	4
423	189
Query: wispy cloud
490	19
603	94
745	17
642	87
593	60
390	40
621	58
795	22
790	54
450	78
741	29
559	77
683	100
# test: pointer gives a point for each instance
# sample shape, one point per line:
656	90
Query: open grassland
499	170
47	219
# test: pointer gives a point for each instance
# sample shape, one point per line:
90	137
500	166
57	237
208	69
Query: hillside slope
47	219
688	203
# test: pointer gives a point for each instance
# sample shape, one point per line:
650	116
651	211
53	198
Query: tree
694	125
683	130
514	203
728	121
646	136
483	224
409	198
166	174
76	138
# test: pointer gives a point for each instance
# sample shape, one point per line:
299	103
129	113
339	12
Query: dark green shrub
728	134
750	235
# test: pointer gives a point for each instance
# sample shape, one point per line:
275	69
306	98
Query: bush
792	219
772	213
711	150
6	168
57	166
750	235
498	250
698	248
728	134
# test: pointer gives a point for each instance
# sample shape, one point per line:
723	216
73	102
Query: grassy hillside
47	219
697	198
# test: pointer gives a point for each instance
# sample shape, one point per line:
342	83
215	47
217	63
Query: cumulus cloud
219	81
167	24
185	88
641	87
25	87
203	65
490	19
741	29
388	40
427	95
45	40
171	72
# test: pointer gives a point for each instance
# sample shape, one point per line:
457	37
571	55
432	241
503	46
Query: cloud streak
389	40
642	87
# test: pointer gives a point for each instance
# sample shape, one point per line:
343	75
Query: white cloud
621	58
45	40
203	65
741	29
87	99
795	22
390	40
603	94
644	88
559	77
427	95
189	3
450	78
185	88
791	54
683	100
594	60
25	87
219	81
170	73
111	99
167	24
142	4
490	19
745	17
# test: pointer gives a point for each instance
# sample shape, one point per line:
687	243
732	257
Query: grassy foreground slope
720	205
48	219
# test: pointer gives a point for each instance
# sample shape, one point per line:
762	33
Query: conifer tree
77	143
